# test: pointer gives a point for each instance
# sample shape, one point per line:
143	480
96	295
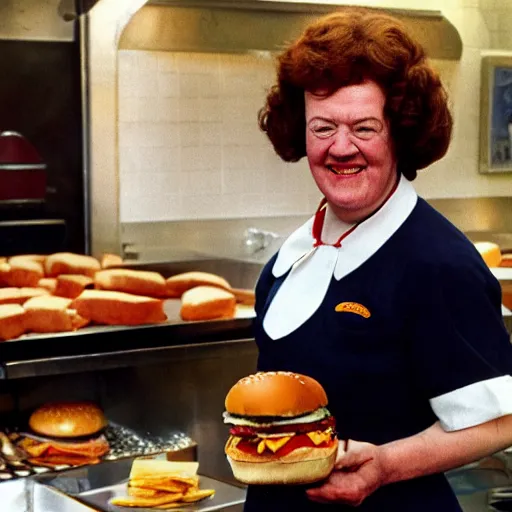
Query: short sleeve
461	351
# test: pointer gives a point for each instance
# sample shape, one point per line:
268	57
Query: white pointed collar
361	244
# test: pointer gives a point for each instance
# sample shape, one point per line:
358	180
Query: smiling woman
377	296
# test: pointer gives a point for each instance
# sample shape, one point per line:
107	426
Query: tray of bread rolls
62	295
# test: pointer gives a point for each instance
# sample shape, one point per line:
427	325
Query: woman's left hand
357	474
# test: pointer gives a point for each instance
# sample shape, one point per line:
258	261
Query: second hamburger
281	431
68	433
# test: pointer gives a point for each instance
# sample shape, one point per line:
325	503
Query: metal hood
245	25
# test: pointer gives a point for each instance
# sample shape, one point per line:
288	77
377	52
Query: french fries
162	484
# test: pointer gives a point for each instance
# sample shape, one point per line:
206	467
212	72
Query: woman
378	296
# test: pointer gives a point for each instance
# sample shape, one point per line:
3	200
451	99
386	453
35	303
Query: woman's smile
345	171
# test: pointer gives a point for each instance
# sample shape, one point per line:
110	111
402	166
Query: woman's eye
364	131
323	130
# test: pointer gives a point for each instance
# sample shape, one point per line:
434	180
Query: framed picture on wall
496	114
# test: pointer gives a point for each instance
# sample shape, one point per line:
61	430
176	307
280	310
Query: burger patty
299	428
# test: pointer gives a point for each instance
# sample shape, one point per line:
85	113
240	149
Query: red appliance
22	170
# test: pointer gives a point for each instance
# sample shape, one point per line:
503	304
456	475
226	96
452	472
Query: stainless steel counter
27	495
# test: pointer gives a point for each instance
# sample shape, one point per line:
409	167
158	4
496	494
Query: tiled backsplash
189	142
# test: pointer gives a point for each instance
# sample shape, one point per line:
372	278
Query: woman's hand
357	474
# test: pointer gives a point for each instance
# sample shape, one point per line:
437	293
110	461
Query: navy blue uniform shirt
434	340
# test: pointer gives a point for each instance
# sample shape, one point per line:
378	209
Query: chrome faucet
256	239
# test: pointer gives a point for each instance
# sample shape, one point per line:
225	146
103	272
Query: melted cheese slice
272	444
319	437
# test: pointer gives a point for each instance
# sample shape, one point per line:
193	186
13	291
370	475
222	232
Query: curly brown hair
348	47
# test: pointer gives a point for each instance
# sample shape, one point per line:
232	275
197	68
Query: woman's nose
342	145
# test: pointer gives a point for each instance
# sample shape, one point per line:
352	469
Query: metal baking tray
95	486
25	495
124	442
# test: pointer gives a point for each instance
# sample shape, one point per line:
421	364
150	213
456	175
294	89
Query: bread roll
19	295
70	263
12	321
506	260
72	285
51	314
111	260
48	283
207	303
5	269
23	272
301	466
38	258
118	308
244	296
490	252
139	282
180	283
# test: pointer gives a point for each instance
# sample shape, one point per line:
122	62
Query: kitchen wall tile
147	85
147	62
230	205
232	181
168	85
196	158
163	159
254	182
188	62
129	160
190	85
211	134
210	110
210	85
238	157
166	62
207	206
128	109
275	180
211	159
190	134
191	158
167	109
189	109
201	183
167	206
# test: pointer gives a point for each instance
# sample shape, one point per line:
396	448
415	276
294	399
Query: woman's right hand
357	474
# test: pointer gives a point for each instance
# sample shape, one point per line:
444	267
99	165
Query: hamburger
66	433
281	431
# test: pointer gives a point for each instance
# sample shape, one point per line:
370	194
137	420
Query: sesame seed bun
284	394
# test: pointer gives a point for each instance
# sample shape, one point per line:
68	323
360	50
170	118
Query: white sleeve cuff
474	404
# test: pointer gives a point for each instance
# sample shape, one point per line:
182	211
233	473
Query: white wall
190	146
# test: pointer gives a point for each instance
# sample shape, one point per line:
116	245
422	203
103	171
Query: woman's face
349	149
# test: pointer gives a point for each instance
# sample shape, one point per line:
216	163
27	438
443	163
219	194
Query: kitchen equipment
97	485
25	494
22	170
